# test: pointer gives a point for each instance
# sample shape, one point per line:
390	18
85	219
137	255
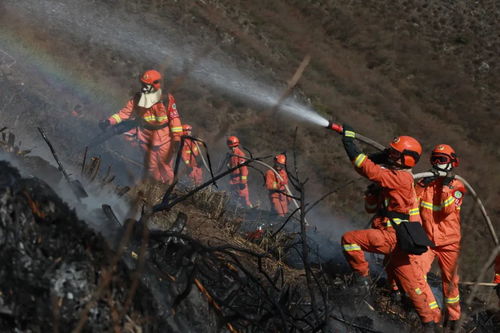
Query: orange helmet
444	154
409	151
233	141
151	77
280	159
187	128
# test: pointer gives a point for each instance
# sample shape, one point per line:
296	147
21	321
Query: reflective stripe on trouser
370	240
448	263
405	272
158	162
409	276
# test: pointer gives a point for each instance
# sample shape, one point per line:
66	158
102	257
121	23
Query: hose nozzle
335	127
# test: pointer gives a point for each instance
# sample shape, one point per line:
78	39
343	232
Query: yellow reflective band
188	151
155	118
398	221
497	274
418	291
453	300
350	134
448	201
433	305
414	211
359	160
275	185
352	247
388	224
117	118
430	206
425	277
176	129
187	161
243	177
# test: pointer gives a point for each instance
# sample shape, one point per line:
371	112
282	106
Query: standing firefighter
158	128
399	207
276	186
191	156
440	202
239	177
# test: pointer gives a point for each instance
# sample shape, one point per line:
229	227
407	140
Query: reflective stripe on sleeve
117	118
414	211
352	247
433	305
350	134
359	160
452	300
176	129
243	177
448	202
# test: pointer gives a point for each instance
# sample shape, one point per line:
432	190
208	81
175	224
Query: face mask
443	167
147	100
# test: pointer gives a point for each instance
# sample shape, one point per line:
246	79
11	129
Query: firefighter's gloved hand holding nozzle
104	124
350	147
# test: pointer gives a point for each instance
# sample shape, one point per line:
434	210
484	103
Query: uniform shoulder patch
458	195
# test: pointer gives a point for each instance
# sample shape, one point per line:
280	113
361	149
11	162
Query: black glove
373	189
175	146
380	157
104	124
242	186
348	140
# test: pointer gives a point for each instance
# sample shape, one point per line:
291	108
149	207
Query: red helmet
233	141
444	154
409	151
280	159
151	77
187	128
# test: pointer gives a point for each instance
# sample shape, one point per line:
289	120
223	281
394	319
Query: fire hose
338	128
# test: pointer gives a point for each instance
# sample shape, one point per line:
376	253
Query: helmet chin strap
443	167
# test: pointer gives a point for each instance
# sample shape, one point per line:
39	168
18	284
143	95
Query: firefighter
276	186
191	156
159	128
440	200
239	177
497	277
399	206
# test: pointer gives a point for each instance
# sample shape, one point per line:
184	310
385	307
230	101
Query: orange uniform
440	202
239	177
158	127
400	202
190	152
497	269
276	187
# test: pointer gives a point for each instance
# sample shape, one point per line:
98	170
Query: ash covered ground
426	69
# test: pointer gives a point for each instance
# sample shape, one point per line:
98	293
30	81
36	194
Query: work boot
396	296
361	284
429	327
450	325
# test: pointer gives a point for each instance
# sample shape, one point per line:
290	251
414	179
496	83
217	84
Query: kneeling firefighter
158	128
393	226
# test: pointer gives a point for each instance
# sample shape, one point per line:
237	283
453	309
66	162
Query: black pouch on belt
411	236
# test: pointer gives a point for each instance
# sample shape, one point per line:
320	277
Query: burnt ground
426	69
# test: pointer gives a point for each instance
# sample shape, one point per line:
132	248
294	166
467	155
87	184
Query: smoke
107	28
